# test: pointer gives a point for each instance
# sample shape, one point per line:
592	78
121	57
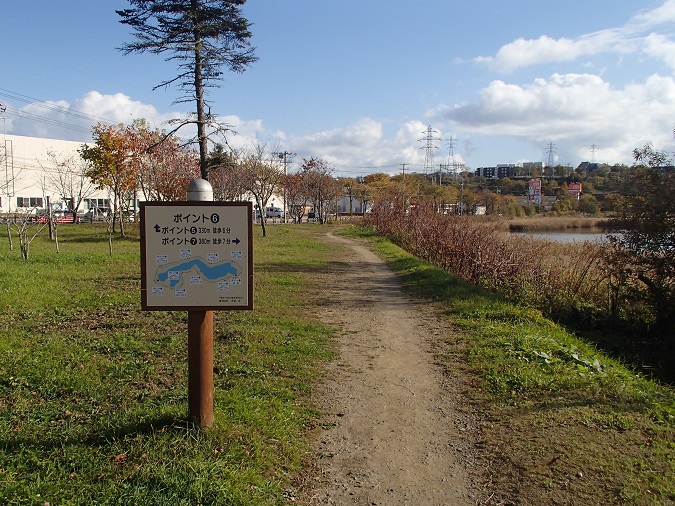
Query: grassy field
93	391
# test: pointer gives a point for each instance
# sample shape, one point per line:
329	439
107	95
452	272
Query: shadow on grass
104	436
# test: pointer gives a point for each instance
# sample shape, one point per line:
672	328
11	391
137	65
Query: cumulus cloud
522	53
74	121
660	48
362	147
635	37
577	109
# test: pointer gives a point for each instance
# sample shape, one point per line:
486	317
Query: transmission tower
550	149
429	146
451	156
594	148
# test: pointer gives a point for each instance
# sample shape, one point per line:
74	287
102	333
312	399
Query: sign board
196	256
574	189
534	191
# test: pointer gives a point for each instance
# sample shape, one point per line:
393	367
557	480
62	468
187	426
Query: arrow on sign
157	228
236	241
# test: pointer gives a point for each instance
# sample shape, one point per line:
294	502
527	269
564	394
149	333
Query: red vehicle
58	217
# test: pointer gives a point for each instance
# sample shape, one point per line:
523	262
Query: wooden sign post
197	255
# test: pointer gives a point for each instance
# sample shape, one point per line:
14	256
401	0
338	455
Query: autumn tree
202	36
349	186
588	204
111	166
297	195
322	188
163	163
365	195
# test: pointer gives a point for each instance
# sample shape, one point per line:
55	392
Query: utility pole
284	156
8	157
443	167
403	168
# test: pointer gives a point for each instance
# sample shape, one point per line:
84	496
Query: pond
567	236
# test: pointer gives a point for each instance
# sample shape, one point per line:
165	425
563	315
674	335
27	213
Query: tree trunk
9	236
199	94
24	245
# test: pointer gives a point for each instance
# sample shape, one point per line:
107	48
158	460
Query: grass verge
93	391
563	423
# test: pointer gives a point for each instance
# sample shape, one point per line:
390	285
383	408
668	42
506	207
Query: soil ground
394	430
404	421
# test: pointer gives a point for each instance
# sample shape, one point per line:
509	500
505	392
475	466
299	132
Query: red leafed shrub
557	278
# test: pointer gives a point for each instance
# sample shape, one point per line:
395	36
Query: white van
274	212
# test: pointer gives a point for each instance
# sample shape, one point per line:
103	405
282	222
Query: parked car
57	216
92	215
274	212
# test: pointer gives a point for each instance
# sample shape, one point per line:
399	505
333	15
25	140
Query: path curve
389	434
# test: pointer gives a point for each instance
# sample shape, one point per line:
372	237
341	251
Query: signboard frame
180	208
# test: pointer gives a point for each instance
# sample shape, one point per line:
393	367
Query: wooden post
200	367
200	340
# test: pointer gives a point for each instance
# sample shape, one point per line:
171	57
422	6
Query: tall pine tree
203	36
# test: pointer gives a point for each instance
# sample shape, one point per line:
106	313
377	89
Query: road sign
196	255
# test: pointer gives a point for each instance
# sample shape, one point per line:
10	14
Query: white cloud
635	37
117	108
63	120
362	147
655	17
522	53
575	109
660	48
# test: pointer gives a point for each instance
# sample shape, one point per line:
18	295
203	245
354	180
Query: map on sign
196	255
174	276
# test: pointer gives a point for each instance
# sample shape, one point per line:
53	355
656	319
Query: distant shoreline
557	224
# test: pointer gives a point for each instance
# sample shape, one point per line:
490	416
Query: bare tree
322	188
26	224
260	174
224	174
68	176
296	194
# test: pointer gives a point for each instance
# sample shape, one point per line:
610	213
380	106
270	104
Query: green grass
546	392
93	391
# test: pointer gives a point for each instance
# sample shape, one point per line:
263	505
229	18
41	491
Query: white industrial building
29	175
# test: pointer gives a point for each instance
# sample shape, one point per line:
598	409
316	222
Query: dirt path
392	431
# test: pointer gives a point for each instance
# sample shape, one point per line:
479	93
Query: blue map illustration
174	273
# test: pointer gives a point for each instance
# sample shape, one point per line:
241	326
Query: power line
52	107
48	107
46	120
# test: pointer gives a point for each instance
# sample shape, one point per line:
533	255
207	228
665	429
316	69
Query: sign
196	256
574	189
534	191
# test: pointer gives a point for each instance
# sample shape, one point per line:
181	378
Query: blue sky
358	81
